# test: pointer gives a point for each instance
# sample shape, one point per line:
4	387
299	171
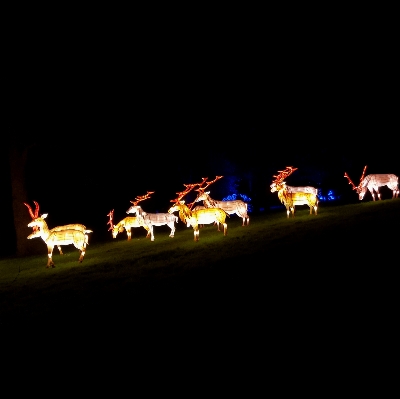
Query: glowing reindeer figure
237	207
127	223
152	219
198	217
57	236
74	226
372	183
289	198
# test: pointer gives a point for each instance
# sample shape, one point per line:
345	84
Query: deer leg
59	248
149	231
82	255
82	249
50	262
225	229
196	233
129	233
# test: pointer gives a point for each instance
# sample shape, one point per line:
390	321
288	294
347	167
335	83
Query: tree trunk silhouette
18	156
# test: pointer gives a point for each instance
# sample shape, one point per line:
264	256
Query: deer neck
209	202
44	231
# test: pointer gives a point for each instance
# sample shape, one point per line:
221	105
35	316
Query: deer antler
363	174
142	197
189	188
283	174
202	188
350	182
110	222
35	214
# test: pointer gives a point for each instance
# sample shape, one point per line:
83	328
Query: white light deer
152	219
289	198
57	236
303	189
127	223
372	183
198	217
74	226
237	207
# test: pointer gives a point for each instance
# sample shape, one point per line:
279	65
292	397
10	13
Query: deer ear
44	216
207	192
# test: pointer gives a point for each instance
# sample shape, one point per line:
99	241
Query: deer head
359	189
279	183
202	189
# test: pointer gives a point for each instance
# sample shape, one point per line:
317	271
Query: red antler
363	174
283	174
33	215
357	188
142	197
189	187
350	182
110	222
201	189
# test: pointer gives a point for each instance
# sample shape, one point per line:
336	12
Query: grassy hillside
342	260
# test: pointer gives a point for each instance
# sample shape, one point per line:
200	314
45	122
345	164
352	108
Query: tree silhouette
18	144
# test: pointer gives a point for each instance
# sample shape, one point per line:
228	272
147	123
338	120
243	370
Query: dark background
113	119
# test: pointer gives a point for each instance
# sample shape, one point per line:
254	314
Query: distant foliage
242	197
330	196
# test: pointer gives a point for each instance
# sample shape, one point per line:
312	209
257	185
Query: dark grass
340	264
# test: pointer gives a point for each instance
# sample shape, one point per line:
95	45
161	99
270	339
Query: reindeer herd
211	212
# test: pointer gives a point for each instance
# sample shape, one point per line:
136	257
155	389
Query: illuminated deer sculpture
198	217
237	207
61	235
127	223
289	198
75	226
372	183
152	219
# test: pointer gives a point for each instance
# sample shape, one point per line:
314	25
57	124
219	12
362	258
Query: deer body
75	226
198	217
154	219
289	197
237	207
128	223
196	208
302	189
58	237
373	182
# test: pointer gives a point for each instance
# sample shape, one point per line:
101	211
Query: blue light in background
330	196
242	197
